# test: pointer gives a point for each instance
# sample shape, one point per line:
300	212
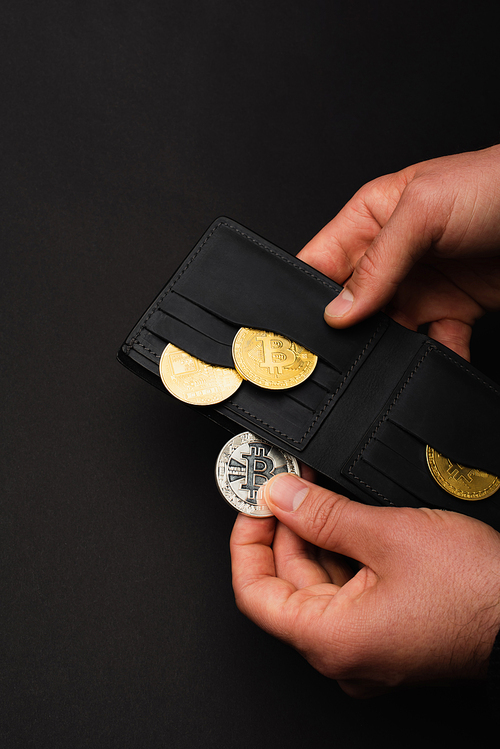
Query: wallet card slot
150	345
325	375
333	346
309	397
435	404
189	339
393	468
192	328
192	314
282	416
388	491
293	415
163	329
216	328
449	405
286	415
290	415
148	364
401	459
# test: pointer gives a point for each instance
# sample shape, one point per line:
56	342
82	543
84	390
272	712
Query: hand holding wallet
379	395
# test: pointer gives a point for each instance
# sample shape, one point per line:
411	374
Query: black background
127	127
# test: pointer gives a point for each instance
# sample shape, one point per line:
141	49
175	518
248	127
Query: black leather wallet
378	396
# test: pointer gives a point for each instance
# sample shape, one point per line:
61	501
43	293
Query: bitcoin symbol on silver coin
245	464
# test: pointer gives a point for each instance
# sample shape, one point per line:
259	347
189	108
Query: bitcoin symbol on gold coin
460	481
276	354
459	473
271	360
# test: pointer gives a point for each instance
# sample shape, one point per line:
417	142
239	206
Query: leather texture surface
379	394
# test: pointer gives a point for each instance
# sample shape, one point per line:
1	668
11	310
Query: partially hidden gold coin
270	360
460	481
193	381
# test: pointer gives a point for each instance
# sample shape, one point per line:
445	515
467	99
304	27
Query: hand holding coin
244	465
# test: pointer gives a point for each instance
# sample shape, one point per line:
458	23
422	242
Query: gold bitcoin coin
193	381
463	482
271	360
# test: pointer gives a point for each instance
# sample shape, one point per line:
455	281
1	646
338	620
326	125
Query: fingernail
287	492
339	306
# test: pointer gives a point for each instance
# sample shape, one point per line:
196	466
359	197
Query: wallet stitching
157	356
171	285
184	269
327	404
386	414
468	371
280	257
384	417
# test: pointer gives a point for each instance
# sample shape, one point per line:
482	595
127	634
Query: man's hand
425	241
420	601
422	604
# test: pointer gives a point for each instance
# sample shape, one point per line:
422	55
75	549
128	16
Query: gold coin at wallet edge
466	483
193	381
270	360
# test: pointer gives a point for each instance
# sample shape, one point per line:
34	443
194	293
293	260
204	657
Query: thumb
377	274
328	520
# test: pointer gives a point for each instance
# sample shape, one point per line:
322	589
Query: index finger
337	247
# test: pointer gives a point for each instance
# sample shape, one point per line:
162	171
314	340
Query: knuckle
421	189
430	203
368	265
376	270
325	518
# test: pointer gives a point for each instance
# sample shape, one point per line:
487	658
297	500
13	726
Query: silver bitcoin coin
246	463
